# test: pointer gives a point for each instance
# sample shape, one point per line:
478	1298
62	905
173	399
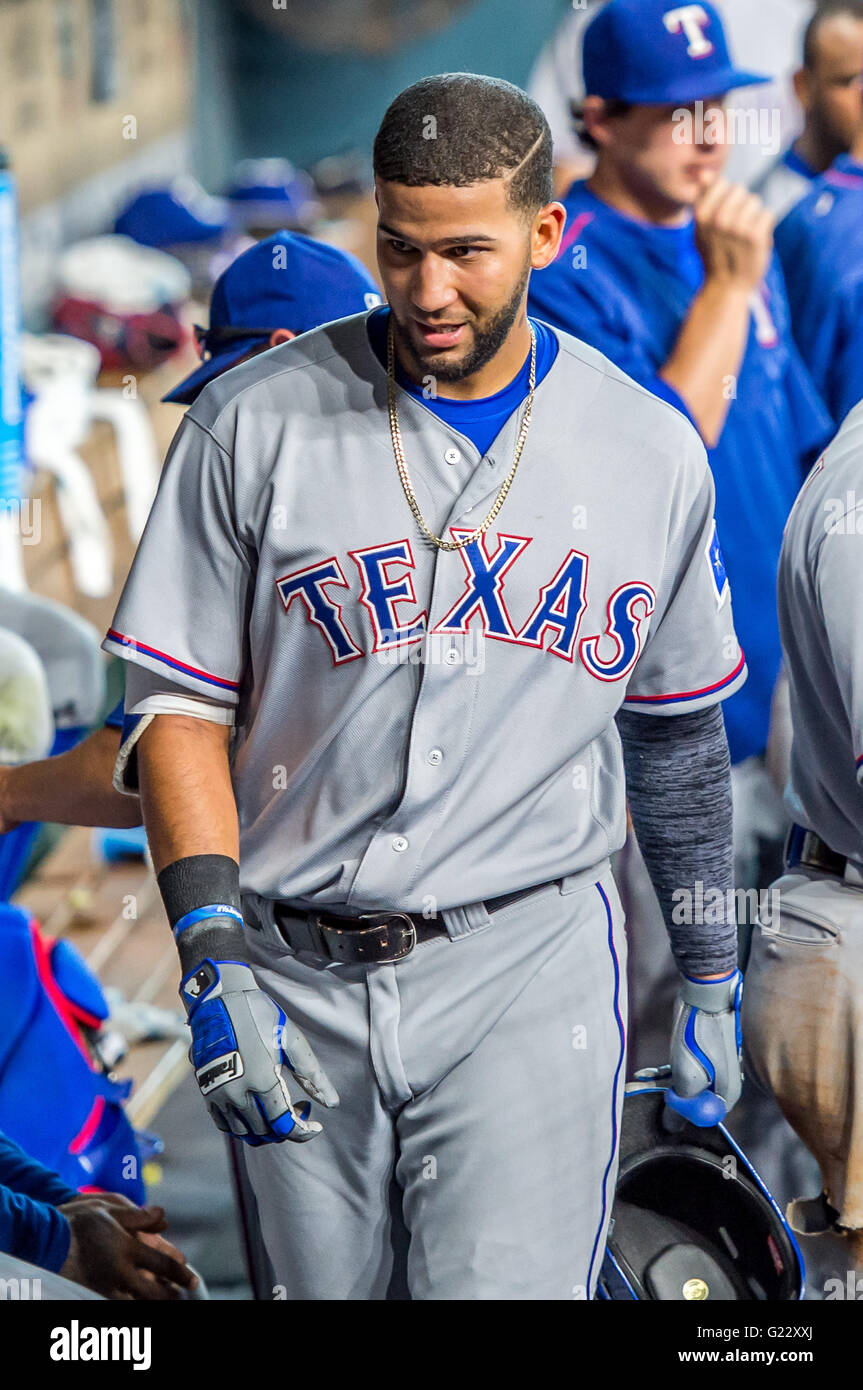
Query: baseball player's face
455	264
831	91
667	155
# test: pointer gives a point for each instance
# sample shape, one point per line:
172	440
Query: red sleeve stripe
842	178
688	694
171	661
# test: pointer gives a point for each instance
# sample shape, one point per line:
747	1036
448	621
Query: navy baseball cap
653	52
285	281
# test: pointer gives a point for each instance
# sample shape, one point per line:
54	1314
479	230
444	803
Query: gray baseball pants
484	1072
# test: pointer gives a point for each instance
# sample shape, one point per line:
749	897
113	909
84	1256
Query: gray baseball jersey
426	730
415	725
820	601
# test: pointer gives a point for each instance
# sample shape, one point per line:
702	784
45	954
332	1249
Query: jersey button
452	456
451	656
434	756
400	844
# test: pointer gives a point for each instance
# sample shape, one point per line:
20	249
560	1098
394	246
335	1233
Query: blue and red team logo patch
718	573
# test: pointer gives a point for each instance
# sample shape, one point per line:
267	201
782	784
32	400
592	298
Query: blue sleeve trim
121	640
688	694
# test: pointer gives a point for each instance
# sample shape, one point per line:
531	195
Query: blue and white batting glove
243	1050
706	1078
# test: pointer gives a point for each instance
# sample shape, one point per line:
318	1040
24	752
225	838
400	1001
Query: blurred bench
111	912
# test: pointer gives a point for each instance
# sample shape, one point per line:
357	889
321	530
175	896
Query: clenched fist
117	1250
734	234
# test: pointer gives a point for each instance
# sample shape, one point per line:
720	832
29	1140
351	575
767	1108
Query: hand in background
118	1251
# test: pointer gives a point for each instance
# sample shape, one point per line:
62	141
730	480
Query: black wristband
202	880
198	881
213	938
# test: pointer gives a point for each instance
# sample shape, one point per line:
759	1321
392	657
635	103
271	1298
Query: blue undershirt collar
479	420
792	160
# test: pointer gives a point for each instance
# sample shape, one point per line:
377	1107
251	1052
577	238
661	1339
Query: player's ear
281	335
594	115
546	234
801	88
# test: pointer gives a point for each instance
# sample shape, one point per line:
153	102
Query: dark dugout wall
309	78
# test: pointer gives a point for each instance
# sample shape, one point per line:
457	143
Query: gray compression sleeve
678	782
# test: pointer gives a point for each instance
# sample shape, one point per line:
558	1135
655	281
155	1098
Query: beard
828	138
487	342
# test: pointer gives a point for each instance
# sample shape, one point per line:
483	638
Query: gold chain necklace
401	463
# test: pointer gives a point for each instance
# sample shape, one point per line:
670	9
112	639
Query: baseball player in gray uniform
804	981
404	580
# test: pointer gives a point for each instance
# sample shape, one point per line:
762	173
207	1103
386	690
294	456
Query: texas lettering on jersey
387	593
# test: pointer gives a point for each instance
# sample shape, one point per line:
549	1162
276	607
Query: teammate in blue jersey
820	244
97	1240
829	89
281	287
669	270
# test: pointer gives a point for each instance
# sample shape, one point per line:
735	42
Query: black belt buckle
360	937
805	847
408	933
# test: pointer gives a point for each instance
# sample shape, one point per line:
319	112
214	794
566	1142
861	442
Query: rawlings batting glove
705	1039
244	1048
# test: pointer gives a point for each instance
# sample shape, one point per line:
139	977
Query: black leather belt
806	848
370	937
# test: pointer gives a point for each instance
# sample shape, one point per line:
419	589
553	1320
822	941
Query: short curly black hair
460	128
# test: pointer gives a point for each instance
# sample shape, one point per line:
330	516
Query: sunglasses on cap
210	341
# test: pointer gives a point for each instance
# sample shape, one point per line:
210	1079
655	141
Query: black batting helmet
692	1220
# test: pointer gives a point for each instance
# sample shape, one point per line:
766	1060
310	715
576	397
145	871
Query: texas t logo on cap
691	20
654	52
